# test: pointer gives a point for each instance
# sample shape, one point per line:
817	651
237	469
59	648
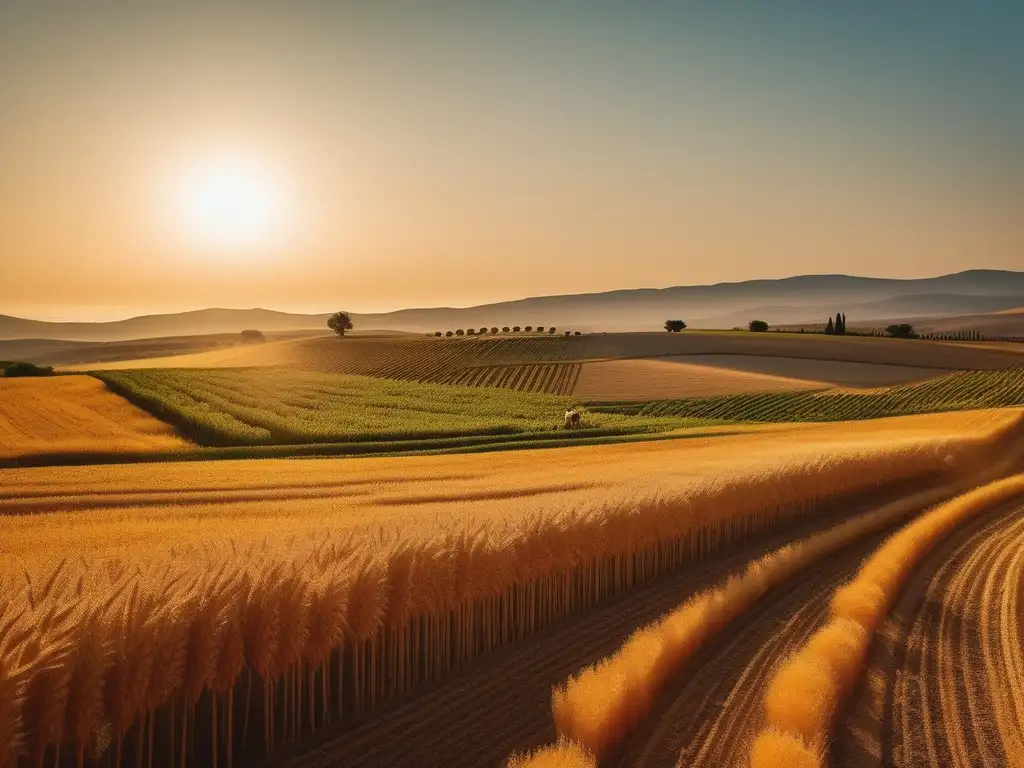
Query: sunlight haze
387	155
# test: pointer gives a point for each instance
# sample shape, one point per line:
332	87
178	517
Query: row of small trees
494	330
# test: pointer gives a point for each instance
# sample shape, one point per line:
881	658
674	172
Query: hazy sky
388	155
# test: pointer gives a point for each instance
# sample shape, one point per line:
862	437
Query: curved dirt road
946	685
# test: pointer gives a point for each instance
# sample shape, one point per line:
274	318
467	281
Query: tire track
948	672
707	719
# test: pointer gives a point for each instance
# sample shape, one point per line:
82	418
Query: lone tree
340	322
757	326
901	331
674	326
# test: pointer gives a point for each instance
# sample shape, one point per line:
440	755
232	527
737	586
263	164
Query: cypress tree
839	324
844	322
830	329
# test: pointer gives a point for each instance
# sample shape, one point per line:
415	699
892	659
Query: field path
502	703
946	684
708	717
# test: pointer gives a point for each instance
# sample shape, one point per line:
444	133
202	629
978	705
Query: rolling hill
788	300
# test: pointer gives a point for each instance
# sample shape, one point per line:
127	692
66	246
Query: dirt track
946	684
502	703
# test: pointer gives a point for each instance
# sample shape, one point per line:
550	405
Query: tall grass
810	688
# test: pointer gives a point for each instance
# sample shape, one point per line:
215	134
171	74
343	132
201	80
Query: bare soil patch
671	378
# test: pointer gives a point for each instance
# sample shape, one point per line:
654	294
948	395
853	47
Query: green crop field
960	391
268	406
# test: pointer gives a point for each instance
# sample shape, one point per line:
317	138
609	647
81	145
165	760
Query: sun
230	203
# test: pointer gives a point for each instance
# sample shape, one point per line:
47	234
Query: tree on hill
528	328
482	331
252	337
471	332
504	329
460	332
830	328
340	322
449	334
674	326
757	326
494	330
901	331
438	333
516	329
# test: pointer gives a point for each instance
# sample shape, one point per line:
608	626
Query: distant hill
788	300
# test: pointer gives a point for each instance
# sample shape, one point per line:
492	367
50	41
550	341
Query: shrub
758	326
540	329
674	326
494	329
552	330
13	370
579	333
568	333
460	332
528	328
505	329
471	332
449	334
901	331
251	337
516	329
483	331
438	333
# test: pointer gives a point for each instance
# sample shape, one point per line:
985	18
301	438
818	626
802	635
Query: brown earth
946	675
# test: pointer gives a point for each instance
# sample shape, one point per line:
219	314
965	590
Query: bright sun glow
231	204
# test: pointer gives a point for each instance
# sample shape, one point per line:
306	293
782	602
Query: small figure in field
572	419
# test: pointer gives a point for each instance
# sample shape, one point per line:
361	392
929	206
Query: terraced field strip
963	390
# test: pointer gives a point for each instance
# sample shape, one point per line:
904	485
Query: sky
378	155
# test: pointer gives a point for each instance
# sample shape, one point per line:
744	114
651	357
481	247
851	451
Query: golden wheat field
287	594
75	414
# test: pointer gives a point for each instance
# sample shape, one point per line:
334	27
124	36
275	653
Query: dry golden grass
659	379
75	414
340	584
810	687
